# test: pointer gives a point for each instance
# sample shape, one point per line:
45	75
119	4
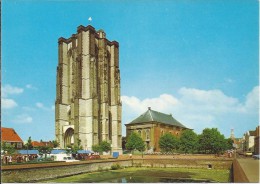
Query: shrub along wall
187	163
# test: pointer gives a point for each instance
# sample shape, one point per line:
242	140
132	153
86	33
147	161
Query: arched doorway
69	137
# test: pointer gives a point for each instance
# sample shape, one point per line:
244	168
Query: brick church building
151	125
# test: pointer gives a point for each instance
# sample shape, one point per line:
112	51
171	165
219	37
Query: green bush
115	166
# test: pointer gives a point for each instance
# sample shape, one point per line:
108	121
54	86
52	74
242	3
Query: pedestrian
10	160
6	159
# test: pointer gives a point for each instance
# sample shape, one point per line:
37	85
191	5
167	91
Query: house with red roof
36	144
10	136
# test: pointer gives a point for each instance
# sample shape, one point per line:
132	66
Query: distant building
256	148
236	141
151	125
10	136
249	141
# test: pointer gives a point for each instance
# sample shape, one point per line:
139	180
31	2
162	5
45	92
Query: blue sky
196	60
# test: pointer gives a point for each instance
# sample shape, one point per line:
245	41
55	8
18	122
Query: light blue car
256	157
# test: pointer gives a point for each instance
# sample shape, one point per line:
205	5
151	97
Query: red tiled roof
9	135
36	144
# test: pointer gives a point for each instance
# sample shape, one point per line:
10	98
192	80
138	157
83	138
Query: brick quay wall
239	175
39	172
186	163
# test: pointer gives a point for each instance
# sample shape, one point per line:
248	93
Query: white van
69	159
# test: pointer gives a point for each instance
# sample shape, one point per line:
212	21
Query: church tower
88	106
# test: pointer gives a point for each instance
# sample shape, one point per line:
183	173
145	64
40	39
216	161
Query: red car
92	157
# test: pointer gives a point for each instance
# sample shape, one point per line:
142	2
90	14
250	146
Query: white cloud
23	118
228	80
43	107
29	86
195	108
39	105
214	101
8	103
10	90
252	101
162	103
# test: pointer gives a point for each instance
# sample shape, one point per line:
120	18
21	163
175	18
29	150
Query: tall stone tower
88	105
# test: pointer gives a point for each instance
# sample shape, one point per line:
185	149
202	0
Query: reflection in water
141	179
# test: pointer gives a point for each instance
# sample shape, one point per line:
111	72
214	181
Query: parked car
240	152
69	159
248	153
92	157
256	157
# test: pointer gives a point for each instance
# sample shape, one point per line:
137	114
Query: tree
55	143
44	150
168	143
211	141
29	145
135	142
229	144
74	149
96	148
105	146
189	141
10	149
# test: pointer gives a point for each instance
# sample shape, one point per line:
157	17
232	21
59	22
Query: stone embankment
39	172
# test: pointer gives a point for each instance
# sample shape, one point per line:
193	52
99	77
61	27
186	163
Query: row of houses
150	126
249	141
11	137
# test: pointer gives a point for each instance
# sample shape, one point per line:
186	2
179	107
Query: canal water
145	179
149	175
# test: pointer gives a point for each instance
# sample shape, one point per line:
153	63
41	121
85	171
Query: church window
162	132
140	132
147	134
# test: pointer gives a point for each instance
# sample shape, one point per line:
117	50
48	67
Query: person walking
10	160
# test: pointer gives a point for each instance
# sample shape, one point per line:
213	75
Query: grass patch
148	175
